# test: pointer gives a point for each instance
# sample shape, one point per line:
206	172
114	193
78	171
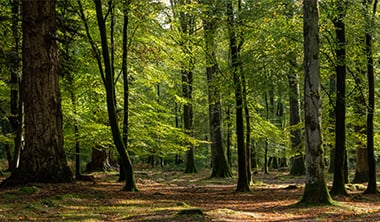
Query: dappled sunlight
164	194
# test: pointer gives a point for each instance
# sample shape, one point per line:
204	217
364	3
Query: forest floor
175	196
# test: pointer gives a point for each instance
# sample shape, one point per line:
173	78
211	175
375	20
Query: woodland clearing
175	196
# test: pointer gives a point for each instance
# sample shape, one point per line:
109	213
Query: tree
125	160
243	180
187	30
340	106
372	187
315	191
43	158
220	166
124	69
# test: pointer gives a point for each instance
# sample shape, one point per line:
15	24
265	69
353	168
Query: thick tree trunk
315	191
125	160
340	106
43	159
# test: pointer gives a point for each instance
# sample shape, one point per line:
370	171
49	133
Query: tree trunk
100	160
331	123
243	182
124	68
220	166
43	159
247	126
361	168
110	94
187	26
187	90
340	106
315	191
254	162
372	187
298	162
229	135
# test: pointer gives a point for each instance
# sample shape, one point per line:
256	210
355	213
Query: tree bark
220	166
124	68
100	160
372	186
243	181
315	191
331	123
125	160
340	106
43	158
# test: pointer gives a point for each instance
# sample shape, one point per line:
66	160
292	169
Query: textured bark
338	187
43	158
315	191
220	166
125	160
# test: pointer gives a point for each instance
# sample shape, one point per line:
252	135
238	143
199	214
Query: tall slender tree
315	185
372	187
43	158
220	166
124	68
187	29
340	105
125	160
243	180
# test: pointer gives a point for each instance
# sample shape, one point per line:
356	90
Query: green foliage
158	51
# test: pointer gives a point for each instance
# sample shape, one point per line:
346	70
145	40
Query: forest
193	110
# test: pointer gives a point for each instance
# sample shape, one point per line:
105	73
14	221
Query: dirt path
164	196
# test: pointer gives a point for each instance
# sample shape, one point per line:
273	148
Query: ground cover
175	196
